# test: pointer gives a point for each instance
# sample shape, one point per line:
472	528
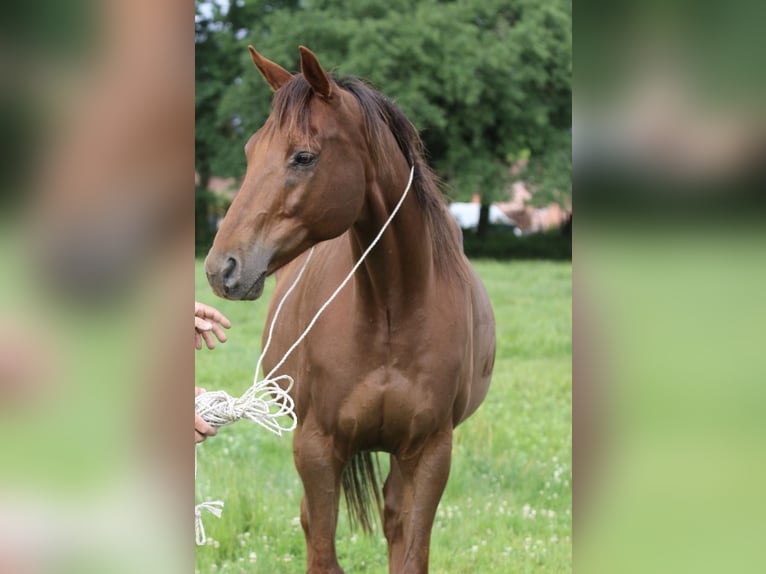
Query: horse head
305	180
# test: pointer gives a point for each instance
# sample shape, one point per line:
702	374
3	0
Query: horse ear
314	73
274	74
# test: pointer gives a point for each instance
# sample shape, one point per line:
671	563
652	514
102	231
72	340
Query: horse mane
290	109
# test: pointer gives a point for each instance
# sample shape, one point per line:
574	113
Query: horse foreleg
412	493
393	494
320	472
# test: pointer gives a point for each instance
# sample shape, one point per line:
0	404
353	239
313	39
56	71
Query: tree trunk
483	227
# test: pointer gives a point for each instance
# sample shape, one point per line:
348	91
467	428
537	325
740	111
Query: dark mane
290	109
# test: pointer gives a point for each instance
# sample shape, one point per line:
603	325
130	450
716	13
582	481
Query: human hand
202	429
208	321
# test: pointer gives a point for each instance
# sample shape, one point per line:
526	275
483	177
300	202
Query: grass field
507	506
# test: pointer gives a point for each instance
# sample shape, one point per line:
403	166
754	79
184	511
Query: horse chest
385	407
374	379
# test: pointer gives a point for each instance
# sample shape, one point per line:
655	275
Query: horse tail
361	489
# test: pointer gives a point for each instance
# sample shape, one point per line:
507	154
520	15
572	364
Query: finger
197	341
208	312
203	427
219	332
199	437
202	325
218	317
223	319
209	341
199	390
212	313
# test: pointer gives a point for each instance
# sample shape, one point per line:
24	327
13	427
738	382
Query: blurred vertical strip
96	288
669	283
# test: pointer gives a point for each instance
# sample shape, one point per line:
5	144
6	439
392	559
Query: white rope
214	507
265	402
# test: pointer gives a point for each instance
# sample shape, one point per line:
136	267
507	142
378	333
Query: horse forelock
291	112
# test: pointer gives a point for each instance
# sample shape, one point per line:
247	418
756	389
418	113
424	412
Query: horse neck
397	272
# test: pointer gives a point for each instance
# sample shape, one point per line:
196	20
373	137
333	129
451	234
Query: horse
405	352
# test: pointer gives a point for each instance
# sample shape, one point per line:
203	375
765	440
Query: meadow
507	506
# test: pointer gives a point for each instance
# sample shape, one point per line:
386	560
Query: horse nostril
230	273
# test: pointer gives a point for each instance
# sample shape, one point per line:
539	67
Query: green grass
507	506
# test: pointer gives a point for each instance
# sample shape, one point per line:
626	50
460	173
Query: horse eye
303	158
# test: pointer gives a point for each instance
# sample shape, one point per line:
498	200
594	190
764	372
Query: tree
485	81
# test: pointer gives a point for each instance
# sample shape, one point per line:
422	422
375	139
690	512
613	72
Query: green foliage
507	506
549	176
483	80
208	208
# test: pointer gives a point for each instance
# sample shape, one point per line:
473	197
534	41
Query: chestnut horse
406	351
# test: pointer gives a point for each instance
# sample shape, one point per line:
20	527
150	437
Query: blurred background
669	141
96	252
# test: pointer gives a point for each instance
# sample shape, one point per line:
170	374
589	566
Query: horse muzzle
231	277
